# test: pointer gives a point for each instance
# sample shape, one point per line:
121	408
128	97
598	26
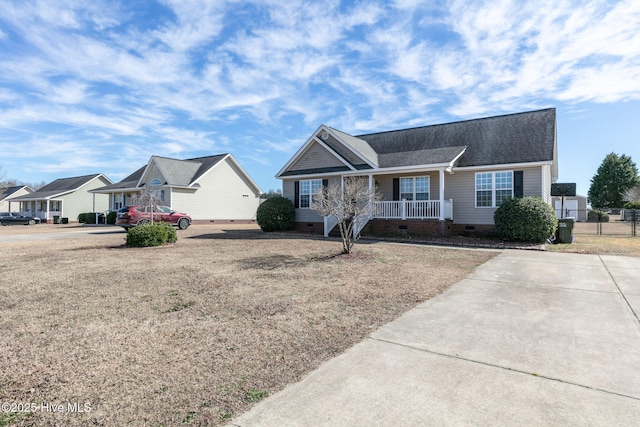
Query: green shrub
597	216
111	217
146	235
632	205
525	219
276	214
87	218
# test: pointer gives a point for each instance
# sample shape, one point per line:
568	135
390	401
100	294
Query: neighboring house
66	197
213	188
7	194
434	180
574	207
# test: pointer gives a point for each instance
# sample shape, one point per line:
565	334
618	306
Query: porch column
47	211
441	218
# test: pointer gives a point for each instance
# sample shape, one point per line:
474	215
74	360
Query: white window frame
493	188
312	182
413	187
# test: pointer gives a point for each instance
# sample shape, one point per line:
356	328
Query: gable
316	157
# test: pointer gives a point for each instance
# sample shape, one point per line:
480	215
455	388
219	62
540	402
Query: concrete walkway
530	338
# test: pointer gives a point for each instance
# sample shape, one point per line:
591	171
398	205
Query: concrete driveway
530	338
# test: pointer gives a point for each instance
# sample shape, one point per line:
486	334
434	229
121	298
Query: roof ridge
452	123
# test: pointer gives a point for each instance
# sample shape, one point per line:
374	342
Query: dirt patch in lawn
195	332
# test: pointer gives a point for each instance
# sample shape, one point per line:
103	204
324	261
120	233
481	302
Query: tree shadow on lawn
261	235
277	262
252	235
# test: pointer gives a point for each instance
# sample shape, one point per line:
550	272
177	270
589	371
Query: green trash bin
565	230
56	219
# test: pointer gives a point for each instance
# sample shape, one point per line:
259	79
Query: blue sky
89	87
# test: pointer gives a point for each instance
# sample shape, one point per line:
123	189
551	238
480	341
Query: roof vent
324	136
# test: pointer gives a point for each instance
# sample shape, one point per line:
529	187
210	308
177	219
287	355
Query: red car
130	216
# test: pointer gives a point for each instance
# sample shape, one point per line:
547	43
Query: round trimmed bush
525	219
157	234
632	205
276	214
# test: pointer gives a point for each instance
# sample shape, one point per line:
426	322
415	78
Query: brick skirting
309	227
409	227
223	221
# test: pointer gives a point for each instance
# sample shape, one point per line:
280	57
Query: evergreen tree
615	175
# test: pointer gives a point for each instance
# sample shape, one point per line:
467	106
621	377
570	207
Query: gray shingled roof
176	172
58	187
513	138
360	145
431	156
8	191
508	139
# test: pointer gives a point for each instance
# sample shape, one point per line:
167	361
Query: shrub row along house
434	180
213	188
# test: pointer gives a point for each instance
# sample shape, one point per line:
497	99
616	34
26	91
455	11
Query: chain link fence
622	222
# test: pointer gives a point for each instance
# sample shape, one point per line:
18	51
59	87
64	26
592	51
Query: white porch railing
413	209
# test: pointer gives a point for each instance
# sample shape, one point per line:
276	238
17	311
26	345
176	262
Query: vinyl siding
461	188
304	215
221	196
546	183
15	206
385	184
316	157
81	201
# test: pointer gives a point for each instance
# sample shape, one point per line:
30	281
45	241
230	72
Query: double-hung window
308	188
414	188
492	188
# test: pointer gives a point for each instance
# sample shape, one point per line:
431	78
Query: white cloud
94	72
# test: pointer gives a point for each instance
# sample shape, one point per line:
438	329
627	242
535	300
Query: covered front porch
44	209
417	195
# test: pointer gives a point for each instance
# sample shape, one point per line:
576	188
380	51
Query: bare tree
149	200
350	203
632	194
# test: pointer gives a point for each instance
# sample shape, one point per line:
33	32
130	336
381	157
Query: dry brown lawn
602	245
192	333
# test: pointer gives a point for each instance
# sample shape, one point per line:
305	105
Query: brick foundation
409	227
471	230
223	221
309	227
